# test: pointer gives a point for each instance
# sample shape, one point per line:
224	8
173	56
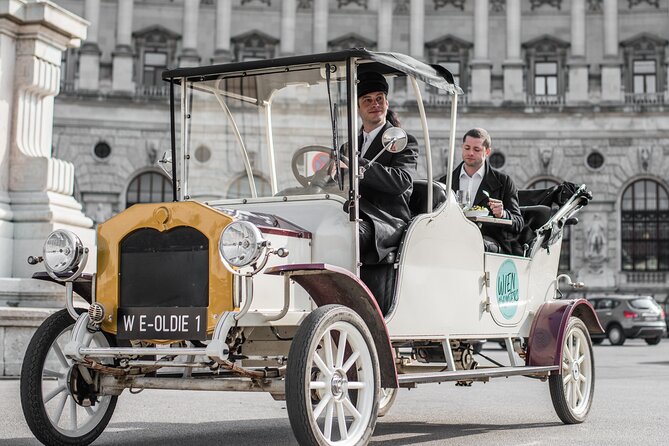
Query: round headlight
62	251
241	244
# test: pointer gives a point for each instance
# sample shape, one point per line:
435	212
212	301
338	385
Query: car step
475	374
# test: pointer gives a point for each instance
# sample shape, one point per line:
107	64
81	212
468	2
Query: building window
240	187
645	76
155	47
102	150
453	54
644	69
645	227
564	265
595	160
546	70
149	187
254	45
545	78
497	160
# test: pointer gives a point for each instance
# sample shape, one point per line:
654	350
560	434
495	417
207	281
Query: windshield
262	135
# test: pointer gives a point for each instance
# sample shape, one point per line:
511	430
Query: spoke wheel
52	413
332	379
386	400
572	388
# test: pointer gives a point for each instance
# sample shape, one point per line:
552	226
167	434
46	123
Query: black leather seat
418	200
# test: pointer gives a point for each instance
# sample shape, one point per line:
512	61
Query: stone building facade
570	90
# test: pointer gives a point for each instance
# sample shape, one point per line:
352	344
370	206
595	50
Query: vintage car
259	288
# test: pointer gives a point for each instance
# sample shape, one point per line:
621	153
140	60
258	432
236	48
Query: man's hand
497	207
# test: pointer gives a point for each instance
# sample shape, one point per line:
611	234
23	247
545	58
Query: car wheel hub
338	385
575	372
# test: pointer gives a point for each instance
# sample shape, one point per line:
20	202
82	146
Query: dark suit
500	186
385	191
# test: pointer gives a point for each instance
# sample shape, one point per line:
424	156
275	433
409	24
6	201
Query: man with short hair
386	186
490	188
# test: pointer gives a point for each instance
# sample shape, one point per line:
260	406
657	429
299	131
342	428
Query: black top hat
370	82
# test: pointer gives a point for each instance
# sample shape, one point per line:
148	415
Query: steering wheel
321	177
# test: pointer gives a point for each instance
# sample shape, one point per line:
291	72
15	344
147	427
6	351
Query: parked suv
628	316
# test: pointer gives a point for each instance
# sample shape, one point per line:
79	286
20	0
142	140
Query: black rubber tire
653	341
299	401
556	384
32	403
616	335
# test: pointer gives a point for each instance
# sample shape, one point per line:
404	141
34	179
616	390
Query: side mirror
394	140
165	163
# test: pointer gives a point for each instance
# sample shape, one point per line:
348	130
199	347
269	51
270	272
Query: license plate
182	323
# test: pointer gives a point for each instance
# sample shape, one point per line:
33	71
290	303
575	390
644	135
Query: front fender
82	285
544	345
327	284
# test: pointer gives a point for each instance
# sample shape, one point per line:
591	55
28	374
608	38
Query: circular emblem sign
507	289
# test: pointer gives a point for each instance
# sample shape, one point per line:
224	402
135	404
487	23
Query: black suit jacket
500	186
385	191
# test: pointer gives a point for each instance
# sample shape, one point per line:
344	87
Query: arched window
565	253
645	227
148	187
240	187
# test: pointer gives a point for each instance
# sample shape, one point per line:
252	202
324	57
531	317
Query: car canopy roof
386	63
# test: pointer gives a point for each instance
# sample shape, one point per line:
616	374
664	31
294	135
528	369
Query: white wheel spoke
48	373
351	408
341	419
565	366
328	420
59	409
351	360
322	366
577	350
327	343
574	395
567	352
49	396
580	359
73	414
324	402
568	393
89	411
583	378
566	379
59	354
579	393
317	385
356	385
341	349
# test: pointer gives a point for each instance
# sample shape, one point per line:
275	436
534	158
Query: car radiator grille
164	269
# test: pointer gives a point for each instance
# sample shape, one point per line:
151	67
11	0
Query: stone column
288	13
611	67
122	68
513	65
481	65
222	51
385	26
189	56
320	26
578	67
416	32
89	54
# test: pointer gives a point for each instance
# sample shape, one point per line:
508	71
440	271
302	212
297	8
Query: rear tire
48	406
616	335
573	387
653	341
332	355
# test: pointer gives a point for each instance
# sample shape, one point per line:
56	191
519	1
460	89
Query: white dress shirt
368	138
472	183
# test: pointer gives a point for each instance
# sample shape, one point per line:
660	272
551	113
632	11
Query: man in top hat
386	186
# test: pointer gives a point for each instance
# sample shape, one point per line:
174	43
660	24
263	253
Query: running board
473	375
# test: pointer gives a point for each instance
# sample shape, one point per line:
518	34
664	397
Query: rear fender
327	284
544	345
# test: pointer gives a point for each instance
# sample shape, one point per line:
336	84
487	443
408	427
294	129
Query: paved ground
630	408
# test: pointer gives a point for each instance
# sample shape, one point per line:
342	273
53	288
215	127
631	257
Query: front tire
573	387
332	355
52	413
